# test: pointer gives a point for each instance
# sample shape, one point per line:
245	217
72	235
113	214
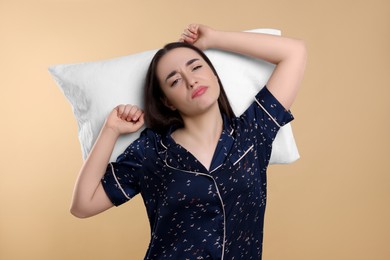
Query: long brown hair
157	115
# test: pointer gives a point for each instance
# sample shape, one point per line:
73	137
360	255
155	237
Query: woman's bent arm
89	197
288	54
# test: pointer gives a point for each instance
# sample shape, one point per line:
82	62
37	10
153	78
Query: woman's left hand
199	35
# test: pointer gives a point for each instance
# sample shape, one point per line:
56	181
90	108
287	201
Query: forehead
175	59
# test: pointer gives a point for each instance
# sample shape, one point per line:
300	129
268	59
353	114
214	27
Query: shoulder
141	146
266	109
263	118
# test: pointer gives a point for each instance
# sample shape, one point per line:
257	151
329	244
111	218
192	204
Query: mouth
198	92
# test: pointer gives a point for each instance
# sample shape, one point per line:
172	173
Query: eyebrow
188	63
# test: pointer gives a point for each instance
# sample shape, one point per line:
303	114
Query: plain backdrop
333	203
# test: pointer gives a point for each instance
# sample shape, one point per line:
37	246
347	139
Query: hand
125	119
197	34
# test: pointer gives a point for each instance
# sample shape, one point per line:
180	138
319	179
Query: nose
191	82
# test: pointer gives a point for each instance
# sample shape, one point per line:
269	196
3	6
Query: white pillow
95	88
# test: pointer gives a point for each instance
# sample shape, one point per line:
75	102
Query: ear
167	103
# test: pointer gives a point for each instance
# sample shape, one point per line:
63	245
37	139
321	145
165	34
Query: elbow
298	56
301	50
296	53
78	213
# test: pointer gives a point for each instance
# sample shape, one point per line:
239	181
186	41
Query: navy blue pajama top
195	213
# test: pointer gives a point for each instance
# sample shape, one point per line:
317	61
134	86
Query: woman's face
189	84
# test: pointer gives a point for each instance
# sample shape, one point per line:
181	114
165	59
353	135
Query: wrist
112	132
214	38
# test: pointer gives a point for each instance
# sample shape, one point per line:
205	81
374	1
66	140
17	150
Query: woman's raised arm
89	197
289	55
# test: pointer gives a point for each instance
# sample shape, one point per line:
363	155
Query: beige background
331	204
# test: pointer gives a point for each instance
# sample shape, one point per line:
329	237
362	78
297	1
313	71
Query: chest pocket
241	155
240	175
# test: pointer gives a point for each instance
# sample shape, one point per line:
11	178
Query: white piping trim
216	168
161	142
165	160
117	182
219	196
273	119
224	219
242	156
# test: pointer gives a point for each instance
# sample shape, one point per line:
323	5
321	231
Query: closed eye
175	82
197	67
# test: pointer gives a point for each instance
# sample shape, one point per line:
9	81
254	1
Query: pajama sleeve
121	181
266	114
274	113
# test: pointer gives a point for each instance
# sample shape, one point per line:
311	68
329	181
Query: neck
205	128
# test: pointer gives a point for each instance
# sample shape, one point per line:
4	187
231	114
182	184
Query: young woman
200	170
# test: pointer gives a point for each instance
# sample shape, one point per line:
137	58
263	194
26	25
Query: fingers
129	113
190	34
140	121
193	28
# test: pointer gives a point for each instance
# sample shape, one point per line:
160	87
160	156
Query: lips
199	91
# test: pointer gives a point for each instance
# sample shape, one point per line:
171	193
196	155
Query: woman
200	170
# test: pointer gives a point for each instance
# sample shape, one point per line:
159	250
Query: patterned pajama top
195	213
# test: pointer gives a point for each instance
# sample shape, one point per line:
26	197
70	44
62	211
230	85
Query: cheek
215	78
166	95
172	96
216	82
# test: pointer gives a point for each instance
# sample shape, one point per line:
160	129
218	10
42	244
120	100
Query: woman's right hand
125	119
198	35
